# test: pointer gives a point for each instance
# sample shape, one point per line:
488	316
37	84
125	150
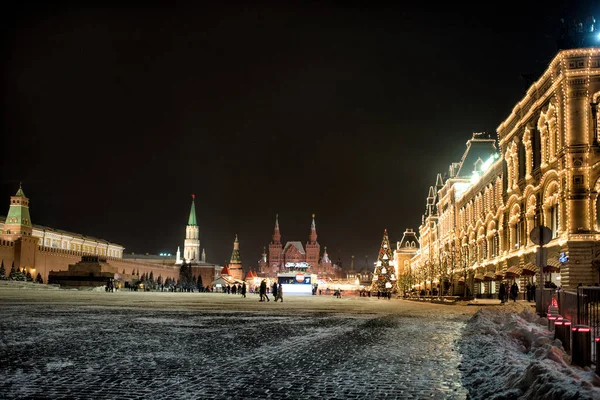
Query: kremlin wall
40	249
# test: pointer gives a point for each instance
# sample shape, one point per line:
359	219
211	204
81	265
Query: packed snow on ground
508	353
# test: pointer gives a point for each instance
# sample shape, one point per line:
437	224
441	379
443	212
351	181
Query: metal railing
582	308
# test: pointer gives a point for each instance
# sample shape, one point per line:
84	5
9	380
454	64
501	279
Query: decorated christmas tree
2	272
384	277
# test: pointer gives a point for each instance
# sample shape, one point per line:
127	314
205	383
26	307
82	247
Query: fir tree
13	272
2	272
28	277
151	277
38	278
199	283
384	277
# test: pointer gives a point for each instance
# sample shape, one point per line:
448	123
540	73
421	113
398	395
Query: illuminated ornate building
544	169
293	256
406	249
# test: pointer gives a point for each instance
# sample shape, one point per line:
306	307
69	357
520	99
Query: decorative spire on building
312	237
264	254
351	274
203	259
18	221
191	248
276	234
178	259
325	255
430	201
439	182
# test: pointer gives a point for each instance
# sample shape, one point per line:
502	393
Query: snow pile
508	353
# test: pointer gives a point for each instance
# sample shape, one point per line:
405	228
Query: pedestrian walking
263	291
501	292
514	291
279	295
274	290
244	290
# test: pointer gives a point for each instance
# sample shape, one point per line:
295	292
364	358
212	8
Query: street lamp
466	256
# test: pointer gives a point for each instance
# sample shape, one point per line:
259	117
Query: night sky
114	115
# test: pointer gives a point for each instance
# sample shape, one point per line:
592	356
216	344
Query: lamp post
466	255
452	253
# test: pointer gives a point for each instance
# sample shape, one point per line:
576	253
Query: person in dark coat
263	291
514	291
244	290
502	292
274	291
279	295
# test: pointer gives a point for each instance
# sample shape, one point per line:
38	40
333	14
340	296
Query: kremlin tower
275	249
18	229
235	264
191	249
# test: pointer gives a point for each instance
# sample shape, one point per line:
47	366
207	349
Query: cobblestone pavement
69	344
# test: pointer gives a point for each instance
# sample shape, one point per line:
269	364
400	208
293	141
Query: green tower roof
19	213
235	254
192	219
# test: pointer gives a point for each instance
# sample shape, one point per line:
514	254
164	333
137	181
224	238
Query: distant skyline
115	115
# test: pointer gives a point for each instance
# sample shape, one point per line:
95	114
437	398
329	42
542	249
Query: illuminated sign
563	258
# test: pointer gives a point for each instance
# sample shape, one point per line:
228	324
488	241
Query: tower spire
312	237
235	255
235	263
276	233
191	245
192	218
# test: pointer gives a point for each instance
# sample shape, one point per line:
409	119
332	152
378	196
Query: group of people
506	291
276	290
110	286
235	289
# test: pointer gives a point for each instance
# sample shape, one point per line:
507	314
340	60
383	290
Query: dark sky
114	115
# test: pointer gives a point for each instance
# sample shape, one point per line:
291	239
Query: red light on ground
552	318
597	339
558	323
574	329
567	323
584	329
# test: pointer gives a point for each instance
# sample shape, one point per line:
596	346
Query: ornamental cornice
557	73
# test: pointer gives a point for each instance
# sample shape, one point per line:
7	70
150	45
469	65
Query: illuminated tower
191	249
313	249
18	221
275	249
178	259
18	228
235	264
